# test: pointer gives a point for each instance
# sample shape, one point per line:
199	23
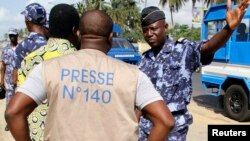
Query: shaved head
96	22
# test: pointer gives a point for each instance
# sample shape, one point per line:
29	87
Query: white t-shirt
34	88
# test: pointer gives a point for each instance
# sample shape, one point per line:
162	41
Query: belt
180	112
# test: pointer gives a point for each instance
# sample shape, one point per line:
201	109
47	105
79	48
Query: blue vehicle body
229	73
122	49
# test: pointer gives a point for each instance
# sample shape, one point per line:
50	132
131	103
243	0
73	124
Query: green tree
185	31
91	4
174	6
126	13
80	7
97	4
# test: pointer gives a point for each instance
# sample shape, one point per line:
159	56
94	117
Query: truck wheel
236	103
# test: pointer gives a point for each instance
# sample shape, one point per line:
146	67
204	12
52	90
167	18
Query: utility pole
145	3
202	17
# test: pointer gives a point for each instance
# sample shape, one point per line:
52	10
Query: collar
167	48
93	52
59	41
169	44
34	34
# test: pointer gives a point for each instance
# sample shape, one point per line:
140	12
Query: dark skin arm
138	114
16	114
14	76
233	18
162	119
2	73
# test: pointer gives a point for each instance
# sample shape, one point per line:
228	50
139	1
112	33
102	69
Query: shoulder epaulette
181	40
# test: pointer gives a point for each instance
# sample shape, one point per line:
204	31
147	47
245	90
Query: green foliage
135	35
179	31
91	4
125	13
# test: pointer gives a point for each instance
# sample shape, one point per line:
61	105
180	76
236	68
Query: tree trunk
193	2
171	12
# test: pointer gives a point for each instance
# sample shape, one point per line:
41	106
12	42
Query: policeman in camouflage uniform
8	59
37	24
170	64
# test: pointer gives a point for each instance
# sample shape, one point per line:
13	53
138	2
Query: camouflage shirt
170	72
8	59
29	44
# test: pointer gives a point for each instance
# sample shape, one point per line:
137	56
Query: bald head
96	22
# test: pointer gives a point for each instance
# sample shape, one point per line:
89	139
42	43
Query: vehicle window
121	43
126	44
214	27
242	34
115	44
211	30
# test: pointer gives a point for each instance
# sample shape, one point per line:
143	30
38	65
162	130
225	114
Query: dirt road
203	116
4	136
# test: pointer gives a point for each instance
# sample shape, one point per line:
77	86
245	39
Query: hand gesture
235	16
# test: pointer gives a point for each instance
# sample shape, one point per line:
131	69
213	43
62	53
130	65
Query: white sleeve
33	86
146	92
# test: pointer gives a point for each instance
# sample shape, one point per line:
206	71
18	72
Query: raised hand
234	16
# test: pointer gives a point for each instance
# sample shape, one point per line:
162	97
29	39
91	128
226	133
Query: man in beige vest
92	97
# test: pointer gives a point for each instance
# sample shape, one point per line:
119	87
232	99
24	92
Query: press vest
91	98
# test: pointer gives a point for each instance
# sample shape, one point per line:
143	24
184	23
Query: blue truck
228	75
122	49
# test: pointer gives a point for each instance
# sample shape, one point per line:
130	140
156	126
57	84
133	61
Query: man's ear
166	27
110	38
75	31
28	24
78	34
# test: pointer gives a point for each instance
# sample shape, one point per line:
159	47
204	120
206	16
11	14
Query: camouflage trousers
174	136
10	90
179	132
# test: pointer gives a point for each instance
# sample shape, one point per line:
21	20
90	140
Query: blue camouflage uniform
29	44
170	72
36	14
8	59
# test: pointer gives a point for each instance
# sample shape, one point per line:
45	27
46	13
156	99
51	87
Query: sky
10	12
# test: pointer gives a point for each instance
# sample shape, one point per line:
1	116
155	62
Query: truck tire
236	103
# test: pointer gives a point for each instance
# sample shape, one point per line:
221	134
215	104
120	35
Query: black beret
150	15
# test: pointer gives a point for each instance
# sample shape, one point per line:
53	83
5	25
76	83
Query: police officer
37	25
170	64
91	96
8	60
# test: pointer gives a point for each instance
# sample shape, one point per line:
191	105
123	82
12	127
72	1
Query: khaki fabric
91	98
